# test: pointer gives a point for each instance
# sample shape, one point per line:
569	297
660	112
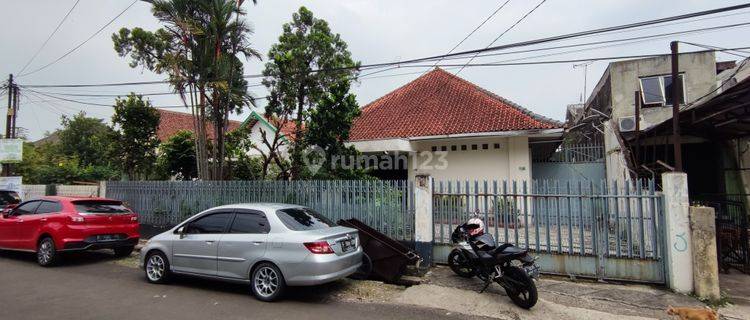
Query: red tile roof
439	103
172	121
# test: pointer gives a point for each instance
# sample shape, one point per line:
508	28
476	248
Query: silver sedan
267	245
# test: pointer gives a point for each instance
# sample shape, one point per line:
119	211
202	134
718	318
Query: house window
497	146
657	90
434	148
443	148
463	147
485	146
473	147
454	147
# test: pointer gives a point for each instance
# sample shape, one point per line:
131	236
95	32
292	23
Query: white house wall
512	161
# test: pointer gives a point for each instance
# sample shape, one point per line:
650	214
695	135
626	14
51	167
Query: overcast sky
376	31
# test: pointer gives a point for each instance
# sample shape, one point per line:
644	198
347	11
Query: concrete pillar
423	225
679	256
102	192
705	260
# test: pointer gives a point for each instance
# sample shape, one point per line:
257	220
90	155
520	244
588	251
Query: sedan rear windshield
96	207
301	219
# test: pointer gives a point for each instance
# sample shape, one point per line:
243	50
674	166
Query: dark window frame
15	210
239	212
58	207
186	226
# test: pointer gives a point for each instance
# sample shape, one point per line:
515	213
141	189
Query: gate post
423	224
705	259
679	255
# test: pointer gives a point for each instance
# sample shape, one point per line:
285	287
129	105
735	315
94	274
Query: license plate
106	237
347	245
532	271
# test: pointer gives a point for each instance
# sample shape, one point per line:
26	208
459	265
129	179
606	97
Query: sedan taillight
319	247
76	218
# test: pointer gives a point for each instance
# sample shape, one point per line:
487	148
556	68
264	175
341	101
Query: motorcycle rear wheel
522	289
460	265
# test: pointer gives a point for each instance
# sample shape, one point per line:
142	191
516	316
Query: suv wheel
46	254
268	283
157	268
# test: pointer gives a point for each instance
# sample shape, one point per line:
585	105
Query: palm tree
199	48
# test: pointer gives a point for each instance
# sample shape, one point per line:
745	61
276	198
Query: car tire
267	283
46	254
122	252
156	268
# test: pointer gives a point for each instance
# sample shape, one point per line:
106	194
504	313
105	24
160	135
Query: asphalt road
92	286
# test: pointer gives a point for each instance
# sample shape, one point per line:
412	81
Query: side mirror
181	232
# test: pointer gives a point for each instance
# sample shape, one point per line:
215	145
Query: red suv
51	225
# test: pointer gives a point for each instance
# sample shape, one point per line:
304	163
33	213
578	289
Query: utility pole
676	97
637	152
9	119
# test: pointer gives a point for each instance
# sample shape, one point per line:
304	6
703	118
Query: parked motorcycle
476	254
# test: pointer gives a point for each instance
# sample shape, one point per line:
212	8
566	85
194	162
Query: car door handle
257	243
44	219
210	241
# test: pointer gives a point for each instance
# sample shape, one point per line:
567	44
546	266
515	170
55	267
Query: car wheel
157	268
46	254
122	252
268	283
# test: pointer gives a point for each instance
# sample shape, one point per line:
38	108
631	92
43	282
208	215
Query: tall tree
198	49
136	122
302	66
328	129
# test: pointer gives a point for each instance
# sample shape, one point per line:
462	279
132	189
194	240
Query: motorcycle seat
509	251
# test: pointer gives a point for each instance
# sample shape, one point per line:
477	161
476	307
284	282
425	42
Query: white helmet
477	231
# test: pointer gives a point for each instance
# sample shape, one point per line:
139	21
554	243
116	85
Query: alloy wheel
155	268
45	252
266	281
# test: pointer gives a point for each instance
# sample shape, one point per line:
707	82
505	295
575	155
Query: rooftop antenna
585	66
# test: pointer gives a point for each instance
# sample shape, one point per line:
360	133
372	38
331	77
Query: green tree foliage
292	75
89	140
197	48
177	156
136	122
60	160
328	129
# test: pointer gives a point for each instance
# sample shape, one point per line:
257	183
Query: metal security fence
385	205
571	218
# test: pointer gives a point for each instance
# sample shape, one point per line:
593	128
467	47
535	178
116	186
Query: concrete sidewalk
559	299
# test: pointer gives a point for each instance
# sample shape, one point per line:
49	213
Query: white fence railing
31	191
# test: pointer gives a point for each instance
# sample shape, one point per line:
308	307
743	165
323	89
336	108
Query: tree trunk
296	168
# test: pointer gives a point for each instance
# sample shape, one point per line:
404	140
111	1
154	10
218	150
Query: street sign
11	150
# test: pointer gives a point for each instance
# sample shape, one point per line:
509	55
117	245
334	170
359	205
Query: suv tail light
319	247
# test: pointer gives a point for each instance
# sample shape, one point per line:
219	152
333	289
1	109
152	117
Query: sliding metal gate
604	231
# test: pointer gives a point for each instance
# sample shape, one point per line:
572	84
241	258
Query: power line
587	32
109	105
49	38
506	31
475	29
715	47
82	43
628	40
471	52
